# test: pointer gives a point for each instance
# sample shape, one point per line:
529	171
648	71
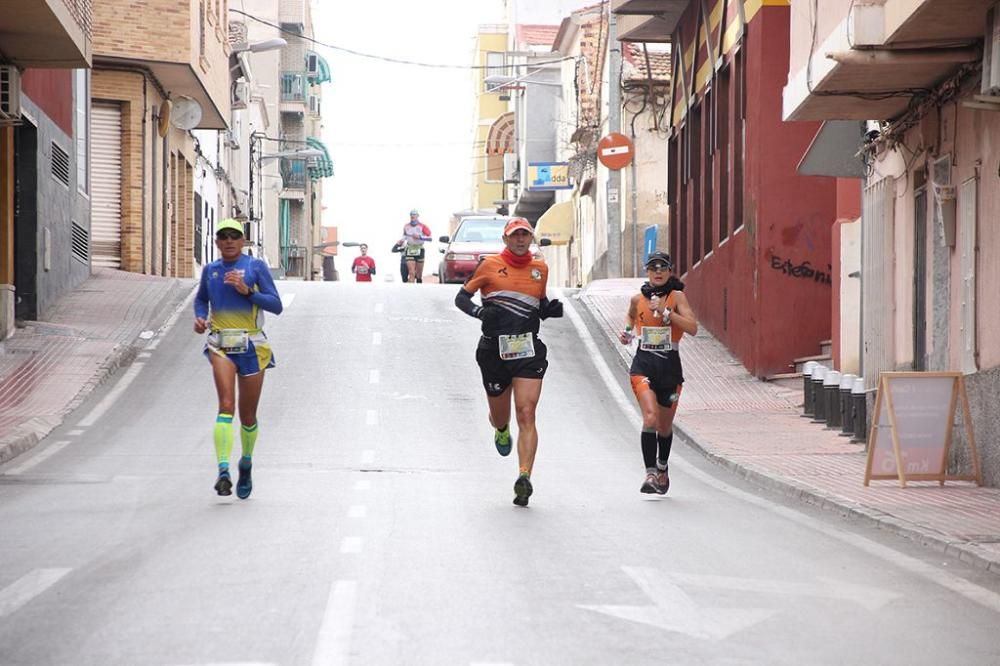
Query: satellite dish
163	118
186	113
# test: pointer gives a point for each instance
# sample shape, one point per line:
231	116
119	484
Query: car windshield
480	231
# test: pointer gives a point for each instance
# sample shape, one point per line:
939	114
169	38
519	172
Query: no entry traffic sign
615	151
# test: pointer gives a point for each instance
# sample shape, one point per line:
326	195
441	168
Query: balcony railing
293	174
293	87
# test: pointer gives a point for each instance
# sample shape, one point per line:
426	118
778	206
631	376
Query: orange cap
518	223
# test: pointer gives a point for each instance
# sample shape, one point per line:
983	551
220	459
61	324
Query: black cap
662	258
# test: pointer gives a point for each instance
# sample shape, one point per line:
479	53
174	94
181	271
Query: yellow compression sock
223	437
248	439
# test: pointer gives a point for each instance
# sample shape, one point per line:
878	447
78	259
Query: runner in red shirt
363	266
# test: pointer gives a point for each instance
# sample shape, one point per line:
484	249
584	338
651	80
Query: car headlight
452	256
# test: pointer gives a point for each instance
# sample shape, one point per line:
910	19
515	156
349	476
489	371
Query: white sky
400	136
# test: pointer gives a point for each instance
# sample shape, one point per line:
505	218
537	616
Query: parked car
476	238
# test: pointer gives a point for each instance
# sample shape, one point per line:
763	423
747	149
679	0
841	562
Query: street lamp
496	82
264	45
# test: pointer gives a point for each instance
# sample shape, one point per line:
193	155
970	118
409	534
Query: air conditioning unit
312	64
991	53
232	139
241	95
510	174
314	105
10	94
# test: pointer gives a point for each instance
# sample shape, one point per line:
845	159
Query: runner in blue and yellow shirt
232	297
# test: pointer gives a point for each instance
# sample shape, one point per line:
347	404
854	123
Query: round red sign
615	151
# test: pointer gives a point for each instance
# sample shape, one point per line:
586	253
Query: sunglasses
229	235
658	267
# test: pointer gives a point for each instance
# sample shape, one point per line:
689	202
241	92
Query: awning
321	72
323	166
557	223
833	151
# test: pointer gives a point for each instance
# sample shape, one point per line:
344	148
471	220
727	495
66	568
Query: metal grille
878	303
81	243
60	164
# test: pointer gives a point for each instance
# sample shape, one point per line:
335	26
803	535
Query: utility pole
614	212
309	224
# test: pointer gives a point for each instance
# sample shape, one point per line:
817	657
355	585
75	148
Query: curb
962	551
122	355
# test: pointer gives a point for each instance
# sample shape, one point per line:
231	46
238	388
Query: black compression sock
648	440
665	442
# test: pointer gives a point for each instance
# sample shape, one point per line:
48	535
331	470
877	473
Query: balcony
47	33
184	50
294	92
293	174
648	20
868	59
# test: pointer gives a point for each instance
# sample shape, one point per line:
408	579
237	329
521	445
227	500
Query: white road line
286	300
367	457
27	587
185	307
376	338
144	354
379	307
373	376
334	641
357	511
113	395
41	456
235	663
363	484
492	663
351	545
967	589
75	432
371	417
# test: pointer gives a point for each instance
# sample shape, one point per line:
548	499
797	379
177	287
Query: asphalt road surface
381	528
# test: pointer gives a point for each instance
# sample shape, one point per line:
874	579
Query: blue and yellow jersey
225	307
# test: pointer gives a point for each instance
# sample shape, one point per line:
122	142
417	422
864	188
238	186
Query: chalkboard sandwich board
912	428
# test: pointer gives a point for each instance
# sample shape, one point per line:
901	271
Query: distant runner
511	357
415	234
363	266
658	316
234	292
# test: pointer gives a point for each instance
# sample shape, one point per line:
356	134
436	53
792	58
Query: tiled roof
536	35
635	67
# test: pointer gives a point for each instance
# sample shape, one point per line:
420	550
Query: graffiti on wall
802	271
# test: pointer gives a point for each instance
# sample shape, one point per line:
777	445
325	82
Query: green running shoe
502	440
522	490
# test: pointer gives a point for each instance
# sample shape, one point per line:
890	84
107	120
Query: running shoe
502	440
662	481
522	490
224	485
649	486
245	483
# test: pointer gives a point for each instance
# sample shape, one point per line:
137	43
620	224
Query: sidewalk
754	429
48	367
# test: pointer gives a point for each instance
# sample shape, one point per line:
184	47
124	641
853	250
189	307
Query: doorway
26	222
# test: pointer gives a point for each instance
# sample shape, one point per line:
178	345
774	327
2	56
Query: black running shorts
498	374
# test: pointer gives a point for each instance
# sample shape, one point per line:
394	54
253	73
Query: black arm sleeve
463	301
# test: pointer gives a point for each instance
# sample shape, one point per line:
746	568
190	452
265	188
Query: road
381	528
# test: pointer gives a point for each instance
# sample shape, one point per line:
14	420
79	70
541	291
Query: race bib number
233	340
362	270
655	338
413	250
517	346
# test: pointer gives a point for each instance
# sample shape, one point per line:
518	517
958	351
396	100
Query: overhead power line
397	61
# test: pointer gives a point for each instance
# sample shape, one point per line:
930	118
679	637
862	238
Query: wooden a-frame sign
912	428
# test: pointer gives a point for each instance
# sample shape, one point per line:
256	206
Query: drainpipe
152	212
165	207
142	222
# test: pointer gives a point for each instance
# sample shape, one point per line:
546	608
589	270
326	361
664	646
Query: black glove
489	315
553	308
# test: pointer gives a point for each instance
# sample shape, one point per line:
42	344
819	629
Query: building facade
45	184
924	78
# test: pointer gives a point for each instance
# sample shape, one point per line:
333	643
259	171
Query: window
494	66
494	167
82	129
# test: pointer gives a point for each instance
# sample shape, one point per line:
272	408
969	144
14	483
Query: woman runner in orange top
658	317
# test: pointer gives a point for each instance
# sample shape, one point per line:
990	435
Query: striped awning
501	137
